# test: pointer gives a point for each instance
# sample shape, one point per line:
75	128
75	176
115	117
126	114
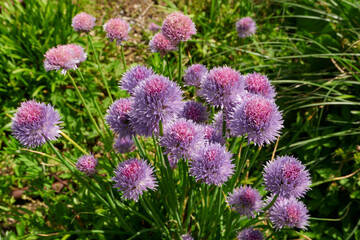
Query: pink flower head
245	27
87	164
83	22
195	111
118	117
161	44
245	200
178	27
35	123
64	57
124	145
117	29
257	83
194	74
133	76
154	27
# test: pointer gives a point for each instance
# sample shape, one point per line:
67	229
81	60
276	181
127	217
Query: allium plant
161	121
245	27
35	123
154	27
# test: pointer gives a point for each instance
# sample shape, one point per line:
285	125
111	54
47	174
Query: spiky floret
194	74
154	27
221	85
181	139
155	99
87	164
195	111
133	76
245	200
287	177
258	117
134	177
65	57
117	30
118	117
83	22
211	164
161	44
289	212
213	135
250	234
123	145
246	27
257	83
35	123
178	27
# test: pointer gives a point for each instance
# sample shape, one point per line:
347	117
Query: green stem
74	143
180	64
86	106
168	66
100	69
123	56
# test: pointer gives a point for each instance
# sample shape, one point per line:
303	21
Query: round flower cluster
159	43
154	27
133	177
257	83
35	123
87	164
250	234
194	74
83	22
117	30
133	76
178	27
118	117
65	57
123	145
245	200
245	27
195	111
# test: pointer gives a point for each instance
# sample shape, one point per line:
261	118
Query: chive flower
256	83
178	27
245	200
133	76
35	123
117	30
194	74
87	164
250	234
118	117
83	22
245	27
154	27
161	44
123	145
195	111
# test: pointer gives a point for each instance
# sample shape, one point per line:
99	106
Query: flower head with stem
87	164
245	200
161	44
117	30
83	22
133	76
245	27
178	27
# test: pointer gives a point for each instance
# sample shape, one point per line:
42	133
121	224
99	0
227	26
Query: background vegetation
309	49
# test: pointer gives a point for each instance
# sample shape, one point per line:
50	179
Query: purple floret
258	117
181	139
195	111
133	76
117	30
245	27
187	237
161	44
287	177
154	27
87	164
35	123
134	177
155	99
194	74
250	234
211	164
221	85
124	145
83	22
65	57
178	27
245	200
256	83
289	212
213	135
118	117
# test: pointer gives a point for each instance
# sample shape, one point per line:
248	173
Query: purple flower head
287	177
195	111
178	27
257	83
133	76
194	74
187	237
213	135
154	27
117	29
258	117
161	44
118	117
155	99
250	234
35	123
245	27
83	22
134	177
211	164
181	138
289	212
64	57
220	85
245	200
87	164
124	145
